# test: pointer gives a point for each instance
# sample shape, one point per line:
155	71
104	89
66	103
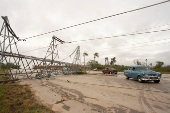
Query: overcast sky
32	17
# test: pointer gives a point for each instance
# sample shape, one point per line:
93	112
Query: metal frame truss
30	67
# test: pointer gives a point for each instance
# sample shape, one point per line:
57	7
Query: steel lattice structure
77	60
15	66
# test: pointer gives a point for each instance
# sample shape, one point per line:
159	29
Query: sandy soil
96	92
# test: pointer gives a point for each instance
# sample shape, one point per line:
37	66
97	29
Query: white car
95	69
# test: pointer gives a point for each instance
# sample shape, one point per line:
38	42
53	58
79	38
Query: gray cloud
28	18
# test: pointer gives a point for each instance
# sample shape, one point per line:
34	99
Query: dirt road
96	92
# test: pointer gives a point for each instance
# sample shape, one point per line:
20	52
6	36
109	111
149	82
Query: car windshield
142	68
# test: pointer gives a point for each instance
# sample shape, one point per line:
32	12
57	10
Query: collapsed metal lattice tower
19	66
77	60
8	46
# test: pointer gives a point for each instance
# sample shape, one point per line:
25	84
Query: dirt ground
96	92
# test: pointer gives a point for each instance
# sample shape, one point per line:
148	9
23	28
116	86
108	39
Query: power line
119	36
118	48
100	19
127	33
34	49
133	45
97	38
151	28
109	37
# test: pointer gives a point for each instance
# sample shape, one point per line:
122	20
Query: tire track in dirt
163	104
144	103
149	90
121	87
71	94
140	100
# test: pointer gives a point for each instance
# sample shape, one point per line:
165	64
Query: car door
129	72
134	73
107	70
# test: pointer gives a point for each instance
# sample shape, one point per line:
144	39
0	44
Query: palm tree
146	61
96	55
150	65
113	60
85	54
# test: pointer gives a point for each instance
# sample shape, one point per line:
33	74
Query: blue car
142	73
66	70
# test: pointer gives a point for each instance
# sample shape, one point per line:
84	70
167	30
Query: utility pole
84	62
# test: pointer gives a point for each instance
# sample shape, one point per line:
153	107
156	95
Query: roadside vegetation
16	98
163	70
95	64
100	67
4	70
117	67
159	67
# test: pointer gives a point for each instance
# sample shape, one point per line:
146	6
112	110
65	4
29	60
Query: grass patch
2	76
1	71
16	98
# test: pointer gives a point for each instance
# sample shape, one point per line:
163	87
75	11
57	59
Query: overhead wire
119	35
128	34
120	48
133	45
152	28
34	49
99	19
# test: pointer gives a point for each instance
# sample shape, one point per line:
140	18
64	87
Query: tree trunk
84	64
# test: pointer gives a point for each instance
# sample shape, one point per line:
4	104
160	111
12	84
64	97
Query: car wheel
140	79
127	77
115	72
156	81
103	72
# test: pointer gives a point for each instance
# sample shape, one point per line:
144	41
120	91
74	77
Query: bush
121	67
117	67
162	69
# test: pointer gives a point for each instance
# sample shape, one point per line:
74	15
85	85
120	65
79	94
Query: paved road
96	92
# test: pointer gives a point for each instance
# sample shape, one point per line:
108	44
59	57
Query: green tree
106	60
159	64
150	65
113	60
85	54
10	65
137	62
92	62
96	55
